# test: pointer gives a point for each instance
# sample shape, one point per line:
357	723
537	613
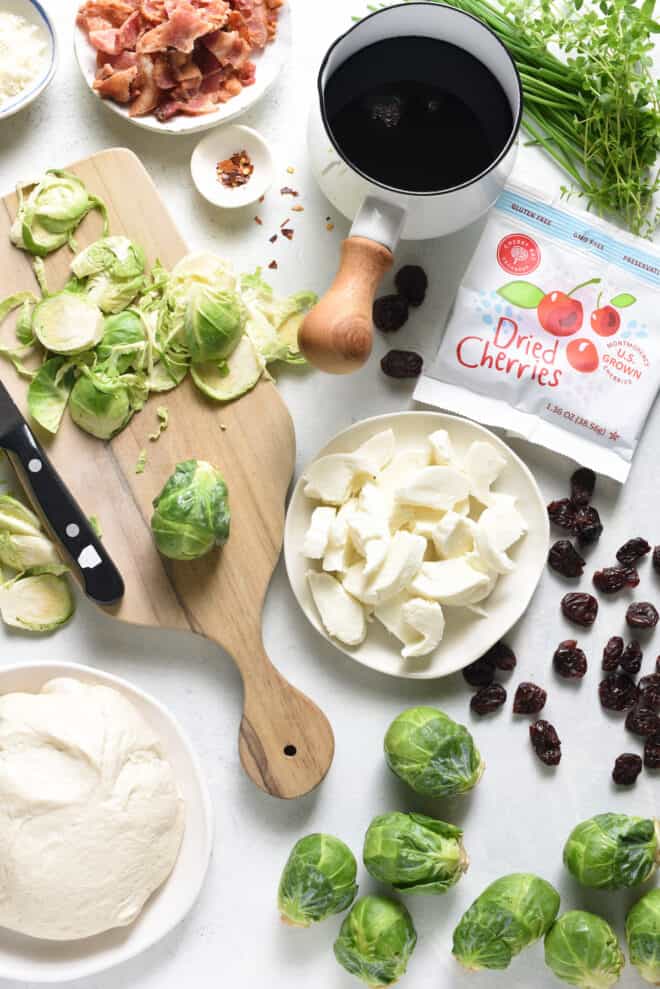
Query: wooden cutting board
286	744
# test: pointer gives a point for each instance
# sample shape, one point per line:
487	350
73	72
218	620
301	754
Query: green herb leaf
522	294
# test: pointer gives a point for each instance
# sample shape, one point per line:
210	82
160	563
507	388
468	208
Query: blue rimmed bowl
35	14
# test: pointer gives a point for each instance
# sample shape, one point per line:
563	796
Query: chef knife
100	578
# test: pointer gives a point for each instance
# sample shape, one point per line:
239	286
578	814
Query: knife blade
100	578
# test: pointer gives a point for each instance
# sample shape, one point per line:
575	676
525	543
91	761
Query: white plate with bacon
181	66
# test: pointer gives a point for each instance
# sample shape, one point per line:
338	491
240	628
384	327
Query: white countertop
521	813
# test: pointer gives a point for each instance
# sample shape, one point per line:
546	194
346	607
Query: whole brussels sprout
612	851
214	323
434	755
414	853
643	936
101	411
582	949
192	512
318	880
376	941
510	914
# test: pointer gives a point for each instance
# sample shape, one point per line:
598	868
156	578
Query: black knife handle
100	578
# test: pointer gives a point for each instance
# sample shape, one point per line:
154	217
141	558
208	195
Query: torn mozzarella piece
426	618
450	582
378	450
499	527
404	558
453	536
318	534
374	555
441	449
483	464
364	528
358	585
421	521
339	553
390	614
342	616
435	487
399	470
333	478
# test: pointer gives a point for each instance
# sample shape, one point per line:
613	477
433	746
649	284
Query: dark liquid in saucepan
417	114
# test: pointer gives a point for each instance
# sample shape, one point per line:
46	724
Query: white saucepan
337	334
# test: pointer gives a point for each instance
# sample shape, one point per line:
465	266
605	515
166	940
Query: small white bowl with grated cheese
28	54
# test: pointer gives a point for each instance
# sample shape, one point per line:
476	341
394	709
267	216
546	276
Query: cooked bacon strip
228	47
184	26
114	11
129	32
163	75
255	15
115	84
106	40
153	11
124	60
148	93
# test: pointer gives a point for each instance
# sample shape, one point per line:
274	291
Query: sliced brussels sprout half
100	406
25	552
376	941
67	323
433	754
112	270
508	916
318	880
213	323
17	518
124	343
582	950
414	853
49	391
191	514
37	602
48	217
613	851
228	381
643	936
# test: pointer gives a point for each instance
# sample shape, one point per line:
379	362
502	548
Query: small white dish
35	14
219	146
37	961
467	636
269	63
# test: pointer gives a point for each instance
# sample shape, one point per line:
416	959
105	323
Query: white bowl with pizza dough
34	960
467	635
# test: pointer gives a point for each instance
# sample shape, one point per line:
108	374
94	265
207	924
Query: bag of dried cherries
555	332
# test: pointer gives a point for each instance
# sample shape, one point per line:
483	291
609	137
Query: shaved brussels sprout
434	755
227	380
318	880
191	514
38	601
213	323
643	936
613	851
17	518
414	853
376	941
123	343
510	914
274	321
56	205
25	552
67	323
582	950
101	406
113	272
49	391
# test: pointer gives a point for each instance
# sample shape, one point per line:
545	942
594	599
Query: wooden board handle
337	334
286	743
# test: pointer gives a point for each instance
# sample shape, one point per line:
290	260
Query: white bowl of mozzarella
414	542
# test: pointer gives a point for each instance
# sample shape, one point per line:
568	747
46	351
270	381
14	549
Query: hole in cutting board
290	750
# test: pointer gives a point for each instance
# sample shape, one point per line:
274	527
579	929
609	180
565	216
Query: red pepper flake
272	265
286	190
273	238
297	209
235	170
261	199
258	220
288	233
284	222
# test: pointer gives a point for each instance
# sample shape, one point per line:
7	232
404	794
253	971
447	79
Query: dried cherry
545	741
501	656
565	559
652	753
655	559
631	658
390	312
562	513
612	653
648	691
587	526
412	283
583	484
657	664
481	673
579	608
627	768
642	721
617	692
402	364
529	699
642	614
632	551
609	580
569	660
488	699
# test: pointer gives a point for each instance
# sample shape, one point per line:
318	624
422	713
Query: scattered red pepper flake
235	170
284	222
258	220
297	208
286	190
261	198
273	238
287	232
272	265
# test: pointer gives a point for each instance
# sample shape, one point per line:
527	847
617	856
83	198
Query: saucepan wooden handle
337	333
286	743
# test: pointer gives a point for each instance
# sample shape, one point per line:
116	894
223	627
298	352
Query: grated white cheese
23	53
